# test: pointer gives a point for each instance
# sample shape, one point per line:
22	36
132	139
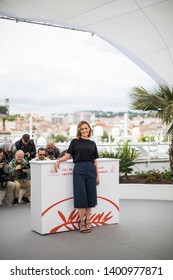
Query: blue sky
49	70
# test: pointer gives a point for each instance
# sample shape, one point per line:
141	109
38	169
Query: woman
85	174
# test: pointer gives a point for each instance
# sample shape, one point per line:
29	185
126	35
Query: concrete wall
144	165
135	191
146	191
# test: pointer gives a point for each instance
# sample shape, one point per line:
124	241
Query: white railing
149	151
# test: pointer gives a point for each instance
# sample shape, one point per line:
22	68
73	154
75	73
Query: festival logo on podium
56	219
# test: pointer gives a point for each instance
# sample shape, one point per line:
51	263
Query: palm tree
158	100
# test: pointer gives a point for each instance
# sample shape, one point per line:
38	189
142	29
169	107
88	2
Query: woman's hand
64	158
97	180
56	166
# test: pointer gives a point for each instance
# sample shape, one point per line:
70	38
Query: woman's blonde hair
78	134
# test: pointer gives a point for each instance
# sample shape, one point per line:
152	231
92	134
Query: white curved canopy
140	29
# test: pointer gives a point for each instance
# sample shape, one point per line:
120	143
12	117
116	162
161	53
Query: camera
27	166
4	174
51	157
26	156
5	167
23	175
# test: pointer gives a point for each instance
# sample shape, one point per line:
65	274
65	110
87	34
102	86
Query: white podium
52	208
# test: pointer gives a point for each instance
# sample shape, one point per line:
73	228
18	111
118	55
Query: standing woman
85	174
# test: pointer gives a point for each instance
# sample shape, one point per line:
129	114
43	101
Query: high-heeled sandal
82	227
87	226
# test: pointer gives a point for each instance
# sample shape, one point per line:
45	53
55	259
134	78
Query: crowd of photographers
15	167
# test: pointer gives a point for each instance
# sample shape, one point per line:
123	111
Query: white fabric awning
140	29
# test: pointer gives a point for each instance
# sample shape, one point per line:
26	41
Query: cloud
50	70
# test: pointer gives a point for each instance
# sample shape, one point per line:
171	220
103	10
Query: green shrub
125	154
153	176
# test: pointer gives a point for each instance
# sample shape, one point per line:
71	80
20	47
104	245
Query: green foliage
107	154
3	110
126	154
110	114
154	176
158	100
10	118
146	138
141	174
105	136
142	139
59	138
167	174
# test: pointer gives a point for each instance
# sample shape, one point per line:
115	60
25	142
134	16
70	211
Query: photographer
41	155
27	145
52	152
19	172
9	151
5	184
